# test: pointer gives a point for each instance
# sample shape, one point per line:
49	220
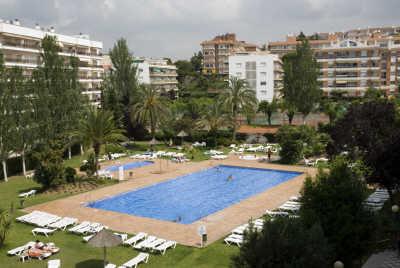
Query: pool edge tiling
190	197
218	224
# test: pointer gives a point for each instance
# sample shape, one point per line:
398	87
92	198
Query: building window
238	64
264	92
239	74
263	64
263	83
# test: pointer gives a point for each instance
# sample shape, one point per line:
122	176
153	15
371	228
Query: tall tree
268	108
99	128
335	200
7	124
237	95
24	132
120	86
151	109
56	97
300	82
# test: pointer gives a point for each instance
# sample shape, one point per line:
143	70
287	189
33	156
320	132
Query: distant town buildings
159	73
216	52
261	70
353	61
21	46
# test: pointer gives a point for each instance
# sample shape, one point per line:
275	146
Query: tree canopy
300	82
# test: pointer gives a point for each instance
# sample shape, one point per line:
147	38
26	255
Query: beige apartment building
216	52
353	61
21	46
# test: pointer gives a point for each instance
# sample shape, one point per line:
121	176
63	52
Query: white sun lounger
87	238
63	223
28	216
276	213
145	242
163	247
44	220
93	227
43	231
133	263
240	229
110	265
234	240
154	243
19	250
289	208
134	239
123	236
27	194
82	225
54	264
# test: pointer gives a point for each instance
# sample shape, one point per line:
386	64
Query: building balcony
347	78
346	59
333	68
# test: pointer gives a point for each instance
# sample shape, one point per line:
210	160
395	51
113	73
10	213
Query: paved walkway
218	224
385	259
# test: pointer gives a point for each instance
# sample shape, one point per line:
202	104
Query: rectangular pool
130	165
191	197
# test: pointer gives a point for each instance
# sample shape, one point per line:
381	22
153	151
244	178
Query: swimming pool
130	165
191	197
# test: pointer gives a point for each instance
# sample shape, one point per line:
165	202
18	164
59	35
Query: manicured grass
75	253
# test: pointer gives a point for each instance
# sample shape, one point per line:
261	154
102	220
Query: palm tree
236	97
151	109
213	119
99	128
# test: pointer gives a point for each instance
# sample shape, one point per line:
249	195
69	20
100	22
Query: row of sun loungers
377	200
87	227
142	241
237	235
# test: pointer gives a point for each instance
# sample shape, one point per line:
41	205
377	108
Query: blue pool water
191	197
130	165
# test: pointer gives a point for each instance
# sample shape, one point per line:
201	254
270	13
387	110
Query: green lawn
75	253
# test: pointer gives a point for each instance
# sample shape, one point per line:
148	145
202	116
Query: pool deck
218	224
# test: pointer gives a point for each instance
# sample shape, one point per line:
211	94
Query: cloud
175	28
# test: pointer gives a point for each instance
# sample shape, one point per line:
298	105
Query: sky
175	28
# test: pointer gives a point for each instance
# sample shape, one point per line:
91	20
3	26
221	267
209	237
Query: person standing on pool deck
230	177
269	154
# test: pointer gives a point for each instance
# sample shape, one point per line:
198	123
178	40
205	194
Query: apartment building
262	71
21	46
353	61
158	73
216	52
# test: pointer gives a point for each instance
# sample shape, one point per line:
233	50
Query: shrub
90	165
70	174
114	148
49	171
5	225
282	243
289	139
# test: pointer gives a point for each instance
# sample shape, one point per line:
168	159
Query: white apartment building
262	71
158	73
20	46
